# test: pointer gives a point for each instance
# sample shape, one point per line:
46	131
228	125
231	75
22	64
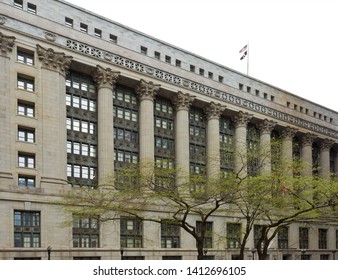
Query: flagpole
247	61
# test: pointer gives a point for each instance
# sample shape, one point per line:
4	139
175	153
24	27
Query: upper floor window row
25	83
80	102
25	56
82	84
31	8
81	126
125	95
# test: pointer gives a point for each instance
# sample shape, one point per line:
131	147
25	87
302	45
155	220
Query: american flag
243	49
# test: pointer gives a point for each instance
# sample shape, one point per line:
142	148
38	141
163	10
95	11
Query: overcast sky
292	43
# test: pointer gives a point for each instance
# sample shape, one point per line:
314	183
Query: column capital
288	133
182	101
266	126
54	60
308	139
242	119
105	77
6	43
147	90
213	110
325	145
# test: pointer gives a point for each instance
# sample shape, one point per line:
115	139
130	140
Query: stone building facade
81	95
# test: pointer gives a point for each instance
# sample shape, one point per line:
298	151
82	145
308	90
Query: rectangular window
201	72
322	238
220	79
303	238
192	68
25	56
26	109
113	38
233	235
170	235
144	50
83	27
25	83
157	55
69	22
208	233
27	229
26	181
26	134
167	59
85	232
98	33
283	238
18	4
210	75
31	8
26	160
131	233
258	235
178	63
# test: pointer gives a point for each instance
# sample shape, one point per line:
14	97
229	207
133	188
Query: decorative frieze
242	119
54	60
266	126
6	43
183	101
213	110
147	90
105	77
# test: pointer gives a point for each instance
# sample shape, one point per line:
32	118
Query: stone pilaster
306	154
54	66
105	79
6	165
146	92
287	154
324	158
241	121
265	129
182	104
213	112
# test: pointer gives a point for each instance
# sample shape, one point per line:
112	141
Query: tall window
131	233
303	238
170	235
257	235
208	233
283	238
233	235
85	232
27	229
226	135
322	238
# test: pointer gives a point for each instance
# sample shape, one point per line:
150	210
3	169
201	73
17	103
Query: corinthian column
146	92
54	66
287	153
324	158
6	165
105	80
241	121
265	129
213	113
182	104
306	154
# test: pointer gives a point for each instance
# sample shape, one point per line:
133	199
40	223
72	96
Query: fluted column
146	92
324	158
213	112
306	154
287	149
6	171
182	104
105	80
54	66
265	129
241	121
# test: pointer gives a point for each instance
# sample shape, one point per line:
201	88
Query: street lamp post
303	251
121	252
253	251
49	249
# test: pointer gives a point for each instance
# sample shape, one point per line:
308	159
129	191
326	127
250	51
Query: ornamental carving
54	60
308	139
105	77
2	20
183	101
242	119
6	43
288	133
325	145
266	126
147	90
213	110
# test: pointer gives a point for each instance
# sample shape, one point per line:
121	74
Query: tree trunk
200	249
